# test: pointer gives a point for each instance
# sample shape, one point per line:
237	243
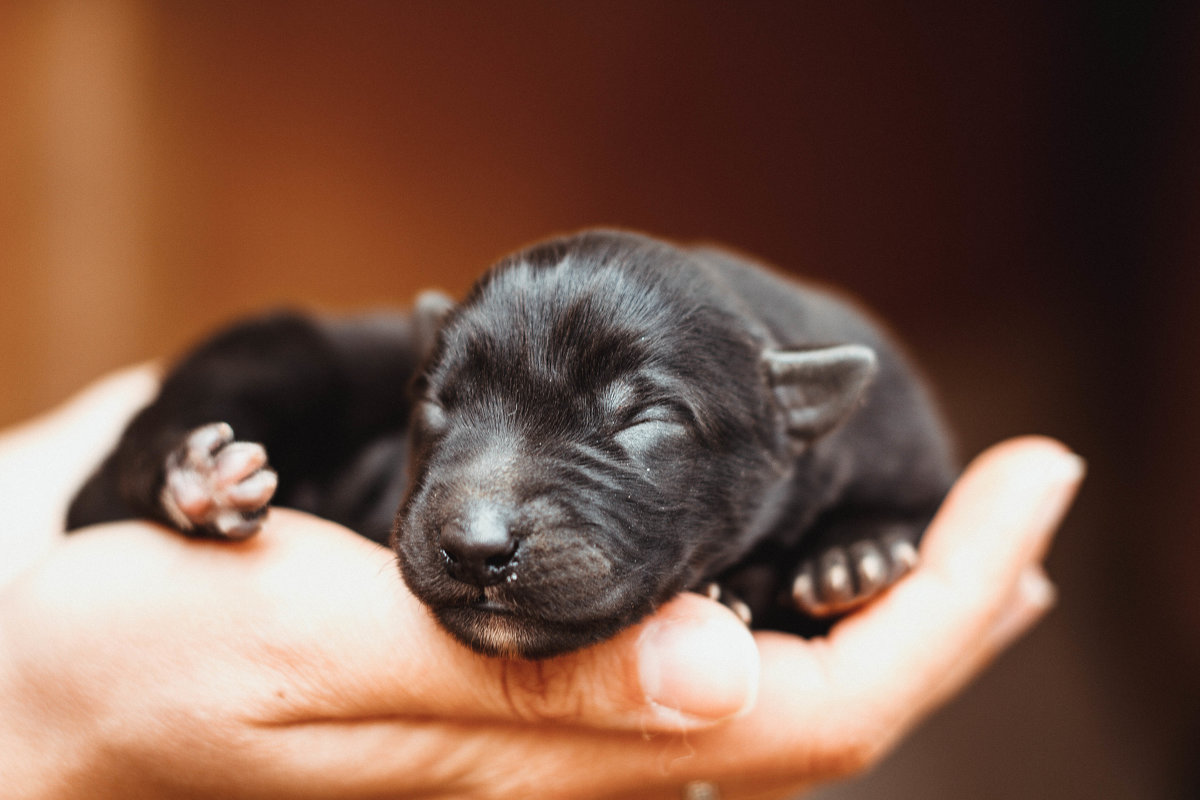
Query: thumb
690	665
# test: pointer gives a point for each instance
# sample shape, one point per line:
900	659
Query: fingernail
1036	589
1065	468
1034	595
1021	508
1060	475
698	672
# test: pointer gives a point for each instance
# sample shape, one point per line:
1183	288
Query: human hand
44	461
135	662
139	663
833	707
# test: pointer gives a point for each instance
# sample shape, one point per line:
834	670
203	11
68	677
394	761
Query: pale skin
135	662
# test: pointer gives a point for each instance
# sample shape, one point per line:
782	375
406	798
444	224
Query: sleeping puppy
606	420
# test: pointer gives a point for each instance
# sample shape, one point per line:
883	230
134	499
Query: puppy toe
830	584
717	592
871	568
204	442
834	578
902	556
253	492
804	592
239	460
187	496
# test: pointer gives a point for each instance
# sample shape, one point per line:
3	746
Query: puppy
606	420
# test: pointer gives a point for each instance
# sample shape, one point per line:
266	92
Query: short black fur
606	420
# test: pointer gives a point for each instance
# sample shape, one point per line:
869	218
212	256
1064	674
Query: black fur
605	420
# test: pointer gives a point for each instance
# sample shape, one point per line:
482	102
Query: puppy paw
218	486
717	592
842	579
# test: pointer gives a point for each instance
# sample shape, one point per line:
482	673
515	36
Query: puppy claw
804	592
207	440
870	568
834	577
715	591
903	555
742	611
253	492
235	525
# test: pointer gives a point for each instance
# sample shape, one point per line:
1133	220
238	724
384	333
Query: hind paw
216	485
841	579
717	592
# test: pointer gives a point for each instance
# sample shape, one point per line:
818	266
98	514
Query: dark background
1016	189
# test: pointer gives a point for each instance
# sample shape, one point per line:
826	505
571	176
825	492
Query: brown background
1015	189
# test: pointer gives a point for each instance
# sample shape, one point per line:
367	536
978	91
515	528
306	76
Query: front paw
842	579
218	486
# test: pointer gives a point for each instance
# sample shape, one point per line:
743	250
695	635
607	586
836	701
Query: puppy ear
429	312
819	388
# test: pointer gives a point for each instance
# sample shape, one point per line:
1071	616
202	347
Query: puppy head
592	434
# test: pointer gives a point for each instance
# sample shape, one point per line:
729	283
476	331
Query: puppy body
606	420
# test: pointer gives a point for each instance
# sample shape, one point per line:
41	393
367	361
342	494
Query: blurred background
1016	189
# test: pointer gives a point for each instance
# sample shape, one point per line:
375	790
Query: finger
935	630
44	461
68	441
495	760
1032	597
1028	602
690	665
97	413
1018	489
747	759
898	653
993	529
613	685
831	707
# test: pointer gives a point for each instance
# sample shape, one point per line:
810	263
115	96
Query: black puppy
606	420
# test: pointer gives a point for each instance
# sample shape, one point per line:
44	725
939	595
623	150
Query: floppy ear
431	309
819	388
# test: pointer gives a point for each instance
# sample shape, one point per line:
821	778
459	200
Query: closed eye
659	412
649	427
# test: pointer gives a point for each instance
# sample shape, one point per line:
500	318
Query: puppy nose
479	549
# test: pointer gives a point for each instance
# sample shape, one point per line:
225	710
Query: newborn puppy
606	420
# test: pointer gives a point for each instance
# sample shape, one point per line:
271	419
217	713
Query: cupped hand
137	663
